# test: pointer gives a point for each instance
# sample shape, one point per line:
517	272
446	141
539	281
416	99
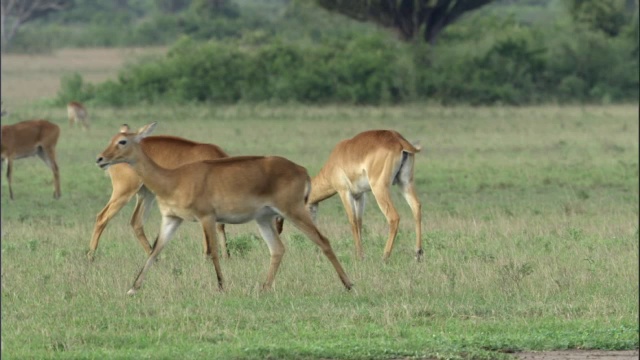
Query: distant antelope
370	161
77	113
232	190
29	138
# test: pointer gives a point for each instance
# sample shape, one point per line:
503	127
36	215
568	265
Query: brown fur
166	151
230	190
77	114
30	138
370	161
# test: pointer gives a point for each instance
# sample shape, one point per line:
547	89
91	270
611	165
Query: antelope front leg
144	199
222	240
10	176
110	210
169	226
120	196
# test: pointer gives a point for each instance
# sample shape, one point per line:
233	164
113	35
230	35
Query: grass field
530	220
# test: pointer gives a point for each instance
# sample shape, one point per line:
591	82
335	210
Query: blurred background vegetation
474	52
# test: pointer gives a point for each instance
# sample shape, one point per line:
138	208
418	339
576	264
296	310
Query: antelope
370	161
77	113
166	151
29	138
231	190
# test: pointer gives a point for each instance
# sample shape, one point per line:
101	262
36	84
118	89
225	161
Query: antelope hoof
90	256
419	254
266	287
131	292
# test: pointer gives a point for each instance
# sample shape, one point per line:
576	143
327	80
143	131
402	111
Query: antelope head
124	146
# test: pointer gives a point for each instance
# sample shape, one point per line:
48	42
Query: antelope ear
145	131
124	128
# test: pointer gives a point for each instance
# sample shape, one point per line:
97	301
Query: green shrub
519	67
73	88
599	68
231	72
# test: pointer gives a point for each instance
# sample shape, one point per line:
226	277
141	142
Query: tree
409	17
16	13
608	16
206	8
172	6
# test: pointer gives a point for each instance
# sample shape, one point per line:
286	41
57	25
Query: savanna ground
530	220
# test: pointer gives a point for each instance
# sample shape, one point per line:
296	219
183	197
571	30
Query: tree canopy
609	16
17	12
410	18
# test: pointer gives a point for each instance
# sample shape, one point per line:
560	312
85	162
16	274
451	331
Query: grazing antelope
29	138
77	113
167	151
370	161
232	190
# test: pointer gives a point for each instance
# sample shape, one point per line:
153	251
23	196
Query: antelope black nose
99	159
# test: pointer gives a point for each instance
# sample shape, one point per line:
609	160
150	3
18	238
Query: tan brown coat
77	114
370	161
232	190
167	151
31	138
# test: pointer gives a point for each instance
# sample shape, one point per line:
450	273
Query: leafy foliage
522	66
608	16
410	18
228	73
506	52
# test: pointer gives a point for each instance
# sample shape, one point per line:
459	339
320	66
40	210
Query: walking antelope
167	151
370	161
232	190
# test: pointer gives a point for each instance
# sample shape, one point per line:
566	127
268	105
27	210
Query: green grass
530	220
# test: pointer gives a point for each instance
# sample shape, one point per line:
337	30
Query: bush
521	66
231	72
590	66
73	88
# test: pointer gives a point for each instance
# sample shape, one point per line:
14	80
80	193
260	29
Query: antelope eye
122	142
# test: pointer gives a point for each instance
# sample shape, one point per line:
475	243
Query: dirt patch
579	355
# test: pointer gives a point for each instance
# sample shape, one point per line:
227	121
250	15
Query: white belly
236	218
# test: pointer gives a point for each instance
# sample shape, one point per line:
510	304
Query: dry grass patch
26	78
